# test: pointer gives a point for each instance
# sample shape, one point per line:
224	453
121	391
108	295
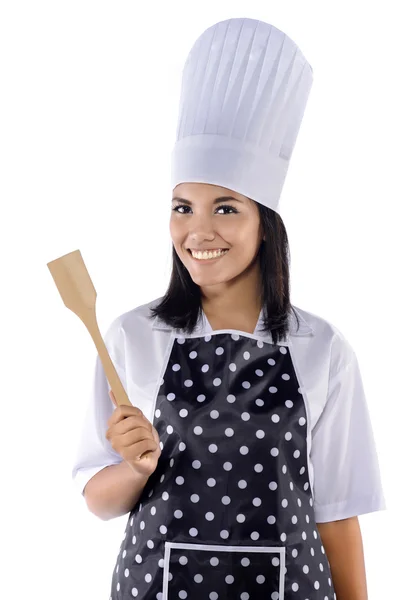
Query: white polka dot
178	514
296	453
260	434
217	381
163	529
289	403
171	397
205	368
284	469
183	560
196	464
198	430
288	435
214	414
161	563
245	596
126	572
302	470
226	500
245	416
246	355
195	498
224	534
235	336
306	569
193	354
150	544
285	376
273	485
258	468
259	402
242	484
245	562
214	561
271	520
257	501
275	562
193	531
232	367
138	558
271	362
229	579
162	478
180	480
135	592
142	525
316	585
259	372
219	351
246	385
148	577
180	340
207	338
275	418
182	594
176	367
183	413
283	537
294	519
198	578
201	398
182	446
260	578
158	413
240	518
274	451
229	432
211	482
171	462
213	596
302	421
228	466
255	535
244	450
213	448
188	382
210	516
231	398
283	349
284	503
170	429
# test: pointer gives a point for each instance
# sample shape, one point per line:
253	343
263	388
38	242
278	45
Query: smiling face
201	220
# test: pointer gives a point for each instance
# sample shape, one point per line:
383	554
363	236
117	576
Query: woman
248	453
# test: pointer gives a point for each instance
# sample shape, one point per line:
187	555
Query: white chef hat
245	86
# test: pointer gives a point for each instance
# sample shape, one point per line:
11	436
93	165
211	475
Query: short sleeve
94	451
347	480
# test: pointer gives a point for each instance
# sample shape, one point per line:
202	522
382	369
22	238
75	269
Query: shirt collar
203	326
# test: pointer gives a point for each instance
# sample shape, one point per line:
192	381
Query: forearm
342	541
114	491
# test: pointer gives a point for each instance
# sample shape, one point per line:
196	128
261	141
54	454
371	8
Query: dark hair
180	307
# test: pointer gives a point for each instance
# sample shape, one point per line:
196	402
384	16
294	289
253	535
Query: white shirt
342	459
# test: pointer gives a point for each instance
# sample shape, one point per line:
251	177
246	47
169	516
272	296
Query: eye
224	206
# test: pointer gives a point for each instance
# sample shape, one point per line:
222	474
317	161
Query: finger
133	436
136	451
123	411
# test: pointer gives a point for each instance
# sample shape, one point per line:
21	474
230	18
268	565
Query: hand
134	438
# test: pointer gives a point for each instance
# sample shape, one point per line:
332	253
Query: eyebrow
216	201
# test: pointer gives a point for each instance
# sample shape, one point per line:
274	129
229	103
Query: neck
239	296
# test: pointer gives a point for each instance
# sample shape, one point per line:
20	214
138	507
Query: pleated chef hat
244	90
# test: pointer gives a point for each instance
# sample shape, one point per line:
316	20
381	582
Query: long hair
181	306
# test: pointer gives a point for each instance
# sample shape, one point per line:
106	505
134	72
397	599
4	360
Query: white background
89	104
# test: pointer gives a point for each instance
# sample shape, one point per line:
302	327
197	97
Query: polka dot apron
228	513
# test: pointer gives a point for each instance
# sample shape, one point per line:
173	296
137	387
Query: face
202	220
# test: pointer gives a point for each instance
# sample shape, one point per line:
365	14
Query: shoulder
327	337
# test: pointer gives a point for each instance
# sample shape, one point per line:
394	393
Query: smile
207	256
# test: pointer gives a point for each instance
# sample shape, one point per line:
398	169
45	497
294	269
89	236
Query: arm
342	541
114	491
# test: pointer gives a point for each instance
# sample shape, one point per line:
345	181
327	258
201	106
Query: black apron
228	513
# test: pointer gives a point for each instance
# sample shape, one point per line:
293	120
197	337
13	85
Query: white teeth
207	254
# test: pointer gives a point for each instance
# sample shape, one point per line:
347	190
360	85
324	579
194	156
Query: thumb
113	398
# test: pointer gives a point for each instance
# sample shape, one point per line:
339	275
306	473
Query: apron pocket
209	572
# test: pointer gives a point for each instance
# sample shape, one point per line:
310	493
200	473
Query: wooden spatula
79	295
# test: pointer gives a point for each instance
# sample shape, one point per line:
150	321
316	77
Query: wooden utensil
79	295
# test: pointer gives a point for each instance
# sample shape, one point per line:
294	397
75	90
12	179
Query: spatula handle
115	383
